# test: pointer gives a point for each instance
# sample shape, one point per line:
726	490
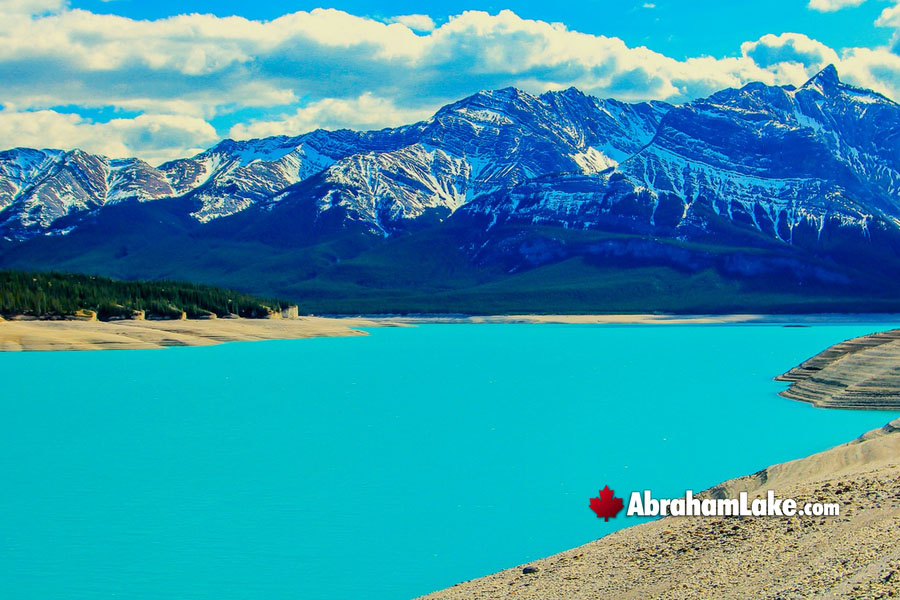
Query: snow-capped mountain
775	159
489	141
808	175
37	187
784	162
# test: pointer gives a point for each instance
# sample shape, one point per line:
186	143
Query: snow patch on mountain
592	160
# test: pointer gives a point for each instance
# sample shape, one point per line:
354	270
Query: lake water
377	467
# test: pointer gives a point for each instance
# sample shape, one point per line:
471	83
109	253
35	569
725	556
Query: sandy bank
122	335
648	319
139	334
855	555
636	319
862	373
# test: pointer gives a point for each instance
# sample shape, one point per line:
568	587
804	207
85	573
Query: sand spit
17	335
648	319
637	319
854	555
122	335
862	373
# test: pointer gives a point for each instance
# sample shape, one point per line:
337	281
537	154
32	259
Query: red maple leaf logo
607	505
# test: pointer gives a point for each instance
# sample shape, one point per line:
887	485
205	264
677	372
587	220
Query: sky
160	80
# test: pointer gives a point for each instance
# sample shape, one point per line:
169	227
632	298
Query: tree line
47	295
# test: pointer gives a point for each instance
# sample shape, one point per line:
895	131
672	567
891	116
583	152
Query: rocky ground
854	555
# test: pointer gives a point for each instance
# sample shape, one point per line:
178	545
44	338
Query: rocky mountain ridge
762	186
489	141
783	161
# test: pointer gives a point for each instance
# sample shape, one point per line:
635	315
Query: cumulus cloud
877	69
328	68
415	22
156	138
81	58
364	112
33	7
833	5
889	17
770	50
793	56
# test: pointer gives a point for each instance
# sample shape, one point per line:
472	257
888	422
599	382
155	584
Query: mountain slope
489	141
38	187
787	163
508	196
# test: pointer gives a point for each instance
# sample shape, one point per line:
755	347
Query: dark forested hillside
59	294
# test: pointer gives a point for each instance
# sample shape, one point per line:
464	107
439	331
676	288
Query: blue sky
164	79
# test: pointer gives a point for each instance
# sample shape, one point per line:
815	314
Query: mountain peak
826	78
502	99
507	95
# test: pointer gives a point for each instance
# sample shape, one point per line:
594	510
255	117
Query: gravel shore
854	555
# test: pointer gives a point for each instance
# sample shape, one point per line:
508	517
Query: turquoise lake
378	467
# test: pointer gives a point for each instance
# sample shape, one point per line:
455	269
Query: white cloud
80	58
791	57
327	68
33	7
833	5
770	50
415	22
156	138
364	112
889	17
877	69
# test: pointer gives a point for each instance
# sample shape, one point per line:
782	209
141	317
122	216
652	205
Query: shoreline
852	555
42	336
638	318
58	335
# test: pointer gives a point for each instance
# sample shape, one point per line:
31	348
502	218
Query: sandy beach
42	335
131	335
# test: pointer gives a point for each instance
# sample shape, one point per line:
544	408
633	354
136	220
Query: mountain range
776	198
